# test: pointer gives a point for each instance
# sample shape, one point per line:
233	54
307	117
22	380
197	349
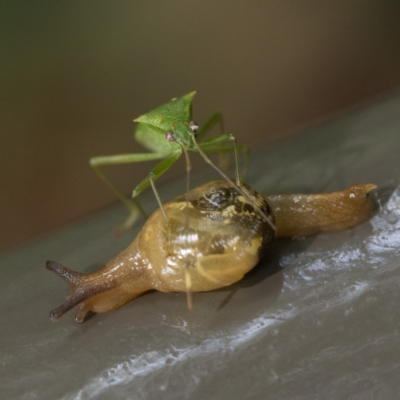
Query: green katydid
167	131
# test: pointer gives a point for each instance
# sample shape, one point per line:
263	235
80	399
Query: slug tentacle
68	275
70	303
79	289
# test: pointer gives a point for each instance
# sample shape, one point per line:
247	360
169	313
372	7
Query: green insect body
167	132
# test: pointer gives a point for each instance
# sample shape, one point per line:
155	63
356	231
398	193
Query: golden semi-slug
219	239
225	238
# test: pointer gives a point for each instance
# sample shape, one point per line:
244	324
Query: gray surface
318	318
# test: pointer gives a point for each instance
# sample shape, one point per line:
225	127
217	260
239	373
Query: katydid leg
224	143
215	119
227	143
133	205
188	277
156	172
241	190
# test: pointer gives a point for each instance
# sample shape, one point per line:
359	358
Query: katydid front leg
224	143
210	146
216	118
215	147
154	174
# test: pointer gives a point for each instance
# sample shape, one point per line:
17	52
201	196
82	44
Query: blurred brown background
74	74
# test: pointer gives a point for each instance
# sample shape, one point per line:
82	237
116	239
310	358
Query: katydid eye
193	126
169	135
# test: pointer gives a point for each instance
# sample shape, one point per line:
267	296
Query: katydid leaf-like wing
163	117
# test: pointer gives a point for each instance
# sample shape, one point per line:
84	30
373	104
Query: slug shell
225	238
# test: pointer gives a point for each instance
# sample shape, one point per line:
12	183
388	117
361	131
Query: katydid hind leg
133	205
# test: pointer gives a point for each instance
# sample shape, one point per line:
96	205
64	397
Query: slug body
224	238
218	238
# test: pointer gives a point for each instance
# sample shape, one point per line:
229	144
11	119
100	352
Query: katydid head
182	133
